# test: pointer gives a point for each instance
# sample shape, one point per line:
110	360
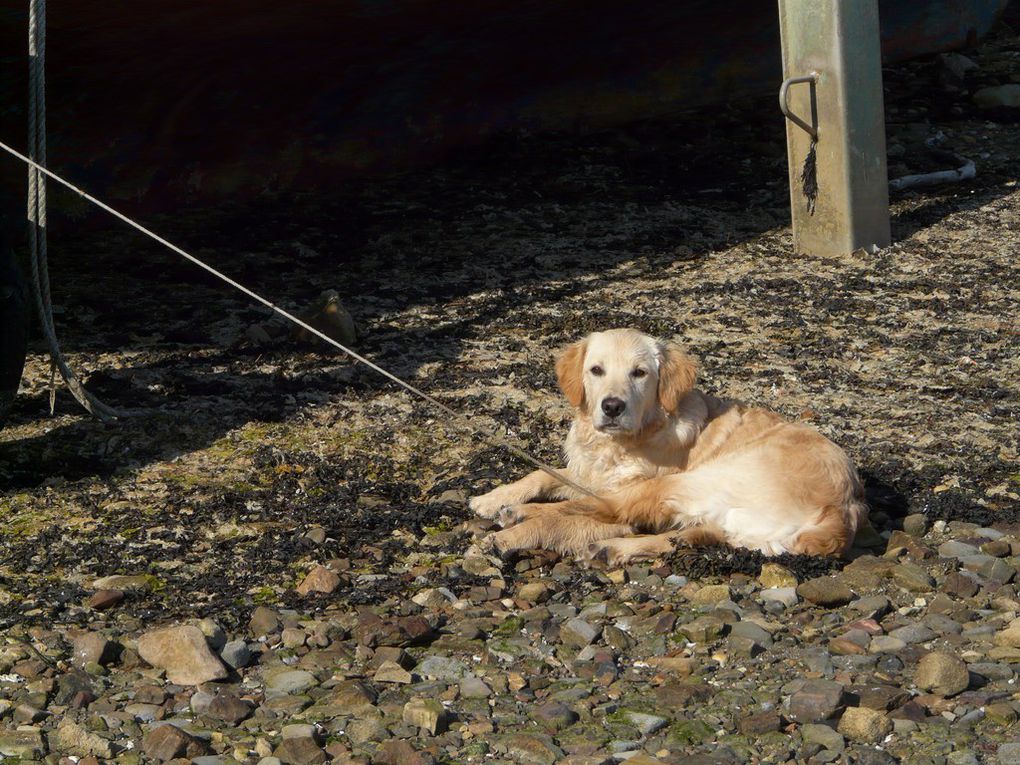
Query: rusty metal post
833	89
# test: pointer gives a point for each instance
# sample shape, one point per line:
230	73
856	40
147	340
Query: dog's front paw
488	505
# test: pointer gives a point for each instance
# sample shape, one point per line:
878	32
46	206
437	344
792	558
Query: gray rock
956	549
817	700
1009	754
442	668
824	736
578	633
753	632
645	723
474	688
998	96
913	633
787	596
236	654
886	644
288	681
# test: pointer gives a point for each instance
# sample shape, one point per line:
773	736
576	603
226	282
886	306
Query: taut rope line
492	436
37	213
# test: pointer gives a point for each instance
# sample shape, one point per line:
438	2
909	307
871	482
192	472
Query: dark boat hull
160	101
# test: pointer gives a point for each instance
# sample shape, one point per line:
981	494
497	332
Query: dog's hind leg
566	534
622	550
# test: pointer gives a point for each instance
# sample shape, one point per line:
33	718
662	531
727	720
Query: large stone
236	654
553	715
288	681
645	723
578	633
136	582
787	596
703	630
73	739
183	652
319	580
1009	637
866	726
372	630
299	751
168	742
442	668
824	736
711	594
25	744
912	578
426	714
91	648
816	701
264	621
998	97
825	591
532	749
398	752
774	575
942	674
228	708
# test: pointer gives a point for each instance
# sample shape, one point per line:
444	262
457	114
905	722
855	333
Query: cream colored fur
678	464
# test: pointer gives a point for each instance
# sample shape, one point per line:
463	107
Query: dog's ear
570	372
677	375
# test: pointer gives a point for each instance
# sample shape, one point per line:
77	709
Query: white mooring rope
492	436
37	214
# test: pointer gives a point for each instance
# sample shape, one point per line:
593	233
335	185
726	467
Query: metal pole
832	63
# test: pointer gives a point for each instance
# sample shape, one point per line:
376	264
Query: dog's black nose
613	407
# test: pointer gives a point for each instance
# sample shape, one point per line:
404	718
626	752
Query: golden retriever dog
676	465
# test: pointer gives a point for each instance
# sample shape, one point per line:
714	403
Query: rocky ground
266	563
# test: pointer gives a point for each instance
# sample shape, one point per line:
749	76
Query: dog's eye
597	371
638	373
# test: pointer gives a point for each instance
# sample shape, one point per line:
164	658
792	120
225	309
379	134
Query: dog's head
622	379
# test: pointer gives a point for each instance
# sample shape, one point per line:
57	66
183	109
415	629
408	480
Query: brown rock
183	653
91	647
264	621
168	742
825	591
400	752
373	630
300	751
864	725
816	701
103	599
319	579
228	708
942	674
